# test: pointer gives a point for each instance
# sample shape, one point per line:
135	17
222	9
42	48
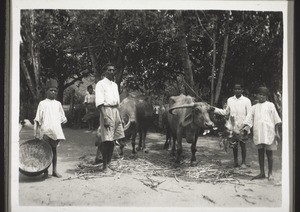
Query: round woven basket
35	156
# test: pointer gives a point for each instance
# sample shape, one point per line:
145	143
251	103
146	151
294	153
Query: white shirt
263	117
89	98
237	110
50	115
106	92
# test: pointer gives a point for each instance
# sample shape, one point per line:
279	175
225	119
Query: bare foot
55	174
260	176
244	166
271	177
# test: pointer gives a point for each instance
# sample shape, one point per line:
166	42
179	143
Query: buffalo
185	118
92	116
136	112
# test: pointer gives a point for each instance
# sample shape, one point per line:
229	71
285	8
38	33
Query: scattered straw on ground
210	172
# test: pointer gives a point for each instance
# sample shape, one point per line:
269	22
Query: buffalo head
198	115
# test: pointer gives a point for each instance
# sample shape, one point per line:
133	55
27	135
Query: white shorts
115	131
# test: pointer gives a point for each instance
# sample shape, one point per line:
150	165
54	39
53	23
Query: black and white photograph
148	105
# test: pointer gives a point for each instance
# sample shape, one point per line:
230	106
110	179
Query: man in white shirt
238	106
107	101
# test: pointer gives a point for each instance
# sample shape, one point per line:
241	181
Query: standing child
47	123
265	121
89	102
237	108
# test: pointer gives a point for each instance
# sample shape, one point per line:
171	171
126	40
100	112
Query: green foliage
143	44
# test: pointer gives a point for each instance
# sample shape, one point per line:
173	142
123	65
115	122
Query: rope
192	90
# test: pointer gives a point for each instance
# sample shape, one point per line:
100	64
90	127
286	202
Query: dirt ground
147	180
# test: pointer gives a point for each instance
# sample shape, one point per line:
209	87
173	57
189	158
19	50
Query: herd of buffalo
182	118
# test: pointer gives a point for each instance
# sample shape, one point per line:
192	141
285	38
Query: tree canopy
201	53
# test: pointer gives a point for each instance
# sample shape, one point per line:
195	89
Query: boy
89	102
265	121
47	123
237	108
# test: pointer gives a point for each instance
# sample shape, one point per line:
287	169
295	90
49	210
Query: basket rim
23	167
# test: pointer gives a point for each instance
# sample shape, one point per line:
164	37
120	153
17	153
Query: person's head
262	94
90	89
108	71
238	89
51	88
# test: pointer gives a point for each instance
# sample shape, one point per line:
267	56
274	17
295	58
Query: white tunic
237	110
263	117
106	92
50	115
89	98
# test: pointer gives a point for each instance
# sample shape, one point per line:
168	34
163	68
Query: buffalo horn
127	125
181	106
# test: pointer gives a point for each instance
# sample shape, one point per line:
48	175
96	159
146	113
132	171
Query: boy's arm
62	115
277	135
219	111
248	106
248	122
36	129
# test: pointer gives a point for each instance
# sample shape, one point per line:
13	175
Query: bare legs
54	163
261	159
107	152
235	154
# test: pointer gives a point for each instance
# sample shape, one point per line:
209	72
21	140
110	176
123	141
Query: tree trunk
223	60
30	52
72	94
120	70
60	93
160	112
93	59
35	55
28	78
186	62
213	70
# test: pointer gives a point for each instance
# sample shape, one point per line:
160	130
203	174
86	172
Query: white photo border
287	151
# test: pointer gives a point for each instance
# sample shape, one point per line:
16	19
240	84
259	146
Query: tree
44	41
30	54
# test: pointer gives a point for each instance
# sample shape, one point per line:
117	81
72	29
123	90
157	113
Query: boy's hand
211	109
36	135
245	128
106	123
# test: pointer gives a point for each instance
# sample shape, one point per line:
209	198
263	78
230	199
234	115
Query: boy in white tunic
107	102
237	108
47	123
265	122
89	102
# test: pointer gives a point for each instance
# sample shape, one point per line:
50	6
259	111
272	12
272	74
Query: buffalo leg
122	145
173	150
167	143
194	149
179	146
144	138
133	143
140	140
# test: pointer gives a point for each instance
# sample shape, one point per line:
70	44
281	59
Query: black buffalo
136	112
